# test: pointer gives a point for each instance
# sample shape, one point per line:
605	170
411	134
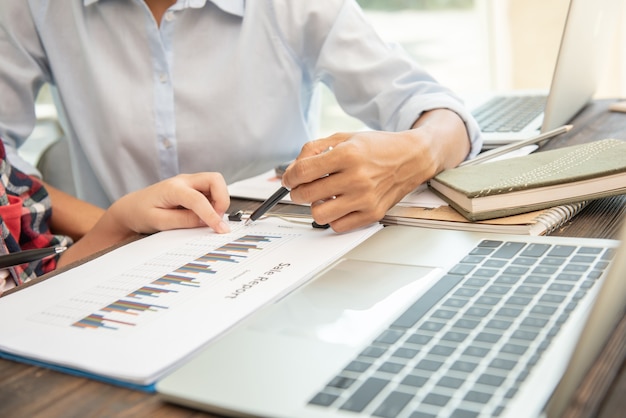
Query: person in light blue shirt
148	89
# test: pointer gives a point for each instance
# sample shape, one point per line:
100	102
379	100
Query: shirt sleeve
374	81
22	73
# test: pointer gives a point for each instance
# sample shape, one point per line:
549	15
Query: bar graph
140	294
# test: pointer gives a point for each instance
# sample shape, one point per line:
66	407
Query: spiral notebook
540	222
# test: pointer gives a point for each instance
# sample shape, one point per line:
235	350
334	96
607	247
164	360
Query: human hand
183	201
366	173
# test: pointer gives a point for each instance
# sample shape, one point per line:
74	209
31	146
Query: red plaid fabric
25	211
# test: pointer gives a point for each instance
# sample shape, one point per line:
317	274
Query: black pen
26	256
268	204
272	201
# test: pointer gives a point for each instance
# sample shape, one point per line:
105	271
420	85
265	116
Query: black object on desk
26	256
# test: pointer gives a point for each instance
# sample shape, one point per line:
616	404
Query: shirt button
167	143
163	78
169	16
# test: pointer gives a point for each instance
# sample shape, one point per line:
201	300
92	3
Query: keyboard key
463	366
490	380
415	381
406	353
462	269
436	399
464	413
580	268
364	394
494	263
497	290
323	399
498	324
391	367
443	314
527	290
341	382
450	382
499	363
454	336
466	324
372	351
508	250
587	259
357	366
478	397
429	365
488	337
476	351
589	250
534	322
389	336
510	280
544	270
552	261
509	312
431	326
535	250
524	261
419	414
442	350
561	251
484	272
476	282
516	349
477	311
516	270
393	405
489	243
419	339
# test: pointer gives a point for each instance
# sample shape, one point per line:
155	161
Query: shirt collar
234	7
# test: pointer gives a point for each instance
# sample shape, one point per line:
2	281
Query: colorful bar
125	306
194	268
148	291
175	279
240	248
213	257
98	321
255	238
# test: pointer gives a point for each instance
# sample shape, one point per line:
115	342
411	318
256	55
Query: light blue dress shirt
221	85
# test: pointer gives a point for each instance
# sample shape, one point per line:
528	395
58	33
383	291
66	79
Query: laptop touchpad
347	304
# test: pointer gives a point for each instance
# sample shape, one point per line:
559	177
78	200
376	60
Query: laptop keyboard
464	348
509	113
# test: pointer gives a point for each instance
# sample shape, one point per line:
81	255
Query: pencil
26	256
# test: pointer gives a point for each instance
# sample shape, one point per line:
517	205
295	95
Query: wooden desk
28	391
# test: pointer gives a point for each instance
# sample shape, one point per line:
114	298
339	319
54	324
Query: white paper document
135	313
264	185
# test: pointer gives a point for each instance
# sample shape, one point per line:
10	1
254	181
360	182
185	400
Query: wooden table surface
30	391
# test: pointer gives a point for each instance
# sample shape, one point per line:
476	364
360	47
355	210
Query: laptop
508	117
420	322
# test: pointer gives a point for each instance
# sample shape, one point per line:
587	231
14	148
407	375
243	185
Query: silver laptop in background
419	323
508	117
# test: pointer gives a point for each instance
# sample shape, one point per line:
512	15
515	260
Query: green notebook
536	181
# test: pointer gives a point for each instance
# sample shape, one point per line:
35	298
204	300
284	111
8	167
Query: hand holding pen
272	201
